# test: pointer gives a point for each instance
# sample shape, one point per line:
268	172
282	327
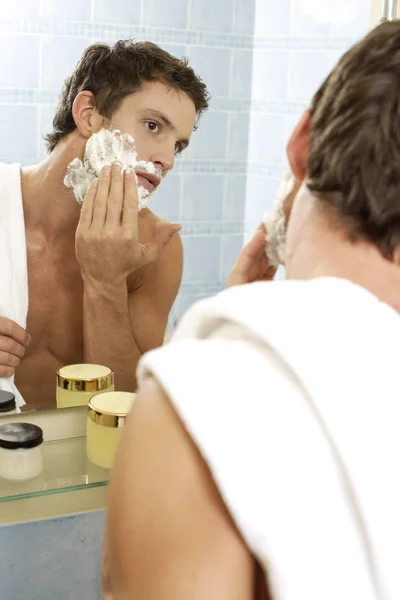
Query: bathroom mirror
262	60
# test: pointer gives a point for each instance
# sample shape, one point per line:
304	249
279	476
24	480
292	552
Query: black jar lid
7	401
20	435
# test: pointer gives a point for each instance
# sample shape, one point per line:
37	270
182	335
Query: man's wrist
105	290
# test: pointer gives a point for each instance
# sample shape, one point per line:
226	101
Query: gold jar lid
85	378
111	408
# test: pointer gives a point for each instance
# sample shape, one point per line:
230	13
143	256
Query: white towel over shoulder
291	391
13	263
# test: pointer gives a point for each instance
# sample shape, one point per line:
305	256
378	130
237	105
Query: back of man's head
354	146
113	72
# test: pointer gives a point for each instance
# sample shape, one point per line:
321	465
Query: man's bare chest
55	314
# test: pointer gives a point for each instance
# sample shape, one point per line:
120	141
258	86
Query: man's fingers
256	245
101	198
9	360
85	219
12	330
9	345
115	198
7	371
131	202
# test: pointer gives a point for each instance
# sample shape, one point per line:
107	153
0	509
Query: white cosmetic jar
21	451
7	403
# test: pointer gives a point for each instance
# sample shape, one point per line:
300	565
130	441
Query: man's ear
297	148
85	114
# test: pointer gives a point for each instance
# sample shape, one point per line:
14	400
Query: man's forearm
108	335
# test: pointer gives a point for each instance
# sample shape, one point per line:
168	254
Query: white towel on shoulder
290	390
13	261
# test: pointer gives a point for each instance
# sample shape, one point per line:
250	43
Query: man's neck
323	249
51	210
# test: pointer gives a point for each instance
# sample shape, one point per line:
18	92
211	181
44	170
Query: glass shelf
66	469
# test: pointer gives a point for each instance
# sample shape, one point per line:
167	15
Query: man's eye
153	127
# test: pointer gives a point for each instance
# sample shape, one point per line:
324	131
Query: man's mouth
149	181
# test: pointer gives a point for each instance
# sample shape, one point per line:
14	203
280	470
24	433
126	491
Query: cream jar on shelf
105	421
76	384
21	451
8	405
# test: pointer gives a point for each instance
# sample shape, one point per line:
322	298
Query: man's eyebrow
156	114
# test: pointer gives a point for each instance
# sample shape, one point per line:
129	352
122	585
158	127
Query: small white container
76	384
105	421
8	405
21	451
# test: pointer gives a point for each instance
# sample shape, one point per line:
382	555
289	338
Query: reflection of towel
290	390
13	264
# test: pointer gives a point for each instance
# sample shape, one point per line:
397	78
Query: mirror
261	61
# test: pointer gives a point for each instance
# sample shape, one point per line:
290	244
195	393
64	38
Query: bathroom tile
270	74
166	201
267	138
59	57
208	15
273	18
311	17
61	558
158	13
231	247
334	57
117	11
349	18
182	305
260	197
19	61
235	198
174	49
73	10
46	116
209	141
308	71
238	136
202	258
244	16
213	66
20	9
18	125
242	71
202	197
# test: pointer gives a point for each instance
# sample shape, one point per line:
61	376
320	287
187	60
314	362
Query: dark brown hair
354	153
113	72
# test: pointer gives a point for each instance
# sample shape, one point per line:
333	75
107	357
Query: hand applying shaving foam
252	264
107	245
260	258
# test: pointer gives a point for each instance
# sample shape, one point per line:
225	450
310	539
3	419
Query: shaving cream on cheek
276	223
104	148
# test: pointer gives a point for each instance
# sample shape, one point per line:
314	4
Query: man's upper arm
170	535
151	304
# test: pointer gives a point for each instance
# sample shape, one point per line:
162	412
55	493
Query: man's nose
164	159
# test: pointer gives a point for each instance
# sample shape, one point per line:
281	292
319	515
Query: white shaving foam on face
276	223
105	148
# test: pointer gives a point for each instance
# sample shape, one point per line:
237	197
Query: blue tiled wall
262	60
54	559
296	43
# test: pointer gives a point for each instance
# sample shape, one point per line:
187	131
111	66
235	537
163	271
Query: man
266	434
102	295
